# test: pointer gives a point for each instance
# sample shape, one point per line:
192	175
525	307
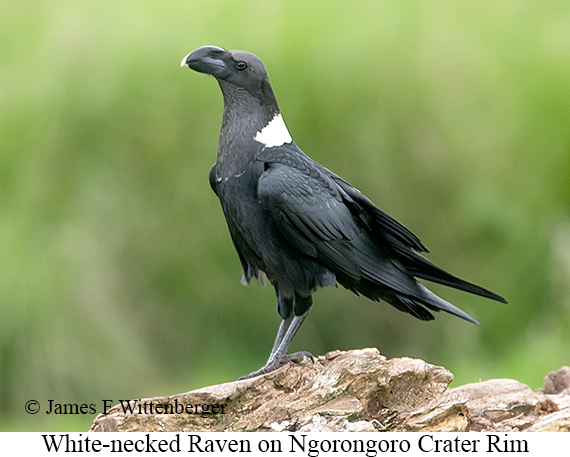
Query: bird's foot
297	357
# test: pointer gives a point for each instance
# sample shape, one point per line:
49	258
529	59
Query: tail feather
432	301
418	306
393	281
420	267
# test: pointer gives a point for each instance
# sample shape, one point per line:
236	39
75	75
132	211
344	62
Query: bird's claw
296	357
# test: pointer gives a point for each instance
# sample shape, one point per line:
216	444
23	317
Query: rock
357	390
557	381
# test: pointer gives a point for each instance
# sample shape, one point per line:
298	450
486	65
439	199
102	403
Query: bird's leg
289	327
279	355
283	327
301	307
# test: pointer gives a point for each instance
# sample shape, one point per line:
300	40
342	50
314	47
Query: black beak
208	59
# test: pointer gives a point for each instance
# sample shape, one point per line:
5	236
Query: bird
297	224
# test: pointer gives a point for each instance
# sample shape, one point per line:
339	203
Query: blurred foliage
118	277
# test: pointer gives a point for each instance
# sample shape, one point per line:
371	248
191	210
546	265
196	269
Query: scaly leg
278	357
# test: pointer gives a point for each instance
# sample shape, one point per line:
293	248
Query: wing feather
310	211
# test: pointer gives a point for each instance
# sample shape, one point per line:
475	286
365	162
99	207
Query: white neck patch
275	133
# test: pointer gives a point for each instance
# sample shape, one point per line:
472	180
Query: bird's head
234	70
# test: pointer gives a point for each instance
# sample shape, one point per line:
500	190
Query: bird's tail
420	267
417	305
393	280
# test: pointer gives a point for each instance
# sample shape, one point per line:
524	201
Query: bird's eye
241	65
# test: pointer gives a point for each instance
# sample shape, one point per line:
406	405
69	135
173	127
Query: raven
300	225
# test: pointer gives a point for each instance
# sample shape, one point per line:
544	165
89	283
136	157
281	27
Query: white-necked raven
299	224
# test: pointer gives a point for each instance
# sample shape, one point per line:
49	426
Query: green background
118	278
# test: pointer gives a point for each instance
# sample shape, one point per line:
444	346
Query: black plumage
299	224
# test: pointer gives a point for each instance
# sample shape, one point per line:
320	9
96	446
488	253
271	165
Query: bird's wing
387	230
310	216
307	206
